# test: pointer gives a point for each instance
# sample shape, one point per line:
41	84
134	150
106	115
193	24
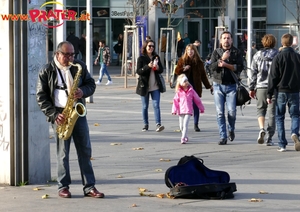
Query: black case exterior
192	179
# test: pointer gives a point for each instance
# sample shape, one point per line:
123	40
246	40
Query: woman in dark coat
149	83
192	66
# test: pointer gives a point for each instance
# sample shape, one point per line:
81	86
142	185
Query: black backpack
190	178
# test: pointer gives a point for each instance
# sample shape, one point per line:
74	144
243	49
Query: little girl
183	104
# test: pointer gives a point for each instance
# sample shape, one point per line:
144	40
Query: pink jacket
183	102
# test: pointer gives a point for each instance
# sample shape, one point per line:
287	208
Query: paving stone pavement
115	123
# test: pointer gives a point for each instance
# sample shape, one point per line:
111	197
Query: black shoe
231	135
223	141
196	128
146	127
159	128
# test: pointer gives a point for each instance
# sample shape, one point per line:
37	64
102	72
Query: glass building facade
197	18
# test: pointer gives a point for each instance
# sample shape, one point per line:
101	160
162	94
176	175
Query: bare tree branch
297	9
170	9
222	10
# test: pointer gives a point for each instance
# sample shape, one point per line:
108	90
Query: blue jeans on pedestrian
82	143
196	113
292	101
222	94
102	71
155	96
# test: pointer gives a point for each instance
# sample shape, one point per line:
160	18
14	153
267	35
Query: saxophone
71	113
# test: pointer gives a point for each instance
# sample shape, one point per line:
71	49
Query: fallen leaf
165	160
96	124
45	196
143	189
170	196
92	158
138	148
133	205
160	195
158	170
255	200
263	192
37	189
177	130
119	176
115	144
51	136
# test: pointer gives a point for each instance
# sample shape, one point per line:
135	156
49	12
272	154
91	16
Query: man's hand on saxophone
60	119
78	93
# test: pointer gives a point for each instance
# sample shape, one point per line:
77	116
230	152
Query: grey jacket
260	68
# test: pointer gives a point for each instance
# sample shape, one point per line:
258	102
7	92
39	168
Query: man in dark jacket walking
284	79
225	61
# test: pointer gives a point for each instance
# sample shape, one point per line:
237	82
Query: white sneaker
98	83
108	82
261	136
281	149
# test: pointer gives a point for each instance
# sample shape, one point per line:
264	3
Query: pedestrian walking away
258	86
104	60
284	81
183	101
224	60
148	68
56	96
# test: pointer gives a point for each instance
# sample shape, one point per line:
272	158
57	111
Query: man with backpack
258	86
104	60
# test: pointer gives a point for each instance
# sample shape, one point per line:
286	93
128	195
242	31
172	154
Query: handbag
173	78
140	87
242	94
162	87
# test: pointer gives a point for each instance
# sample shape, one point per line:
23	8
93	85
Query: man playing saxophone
55	83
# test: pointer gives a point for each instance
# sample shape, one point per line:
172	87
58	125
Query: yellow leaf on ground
37	189
143	189
133	205
138	148
115	144
158	170
92	158
45	196
160	195
255	200
119	176
164	160
96	124
263	192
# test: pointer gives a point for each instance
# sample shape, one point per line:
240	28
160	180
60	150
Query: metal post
249	40
89	42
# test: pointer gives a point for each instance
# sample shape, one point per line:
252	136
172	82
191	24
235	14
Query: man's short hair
225	32
287	39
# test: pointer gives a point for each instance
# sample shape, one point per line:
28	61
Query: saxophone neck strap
64	83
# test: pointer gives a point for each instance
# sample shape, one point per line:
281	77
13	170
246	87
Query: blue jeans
102	71
222	94
82	143
196	113
155	96
292	101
